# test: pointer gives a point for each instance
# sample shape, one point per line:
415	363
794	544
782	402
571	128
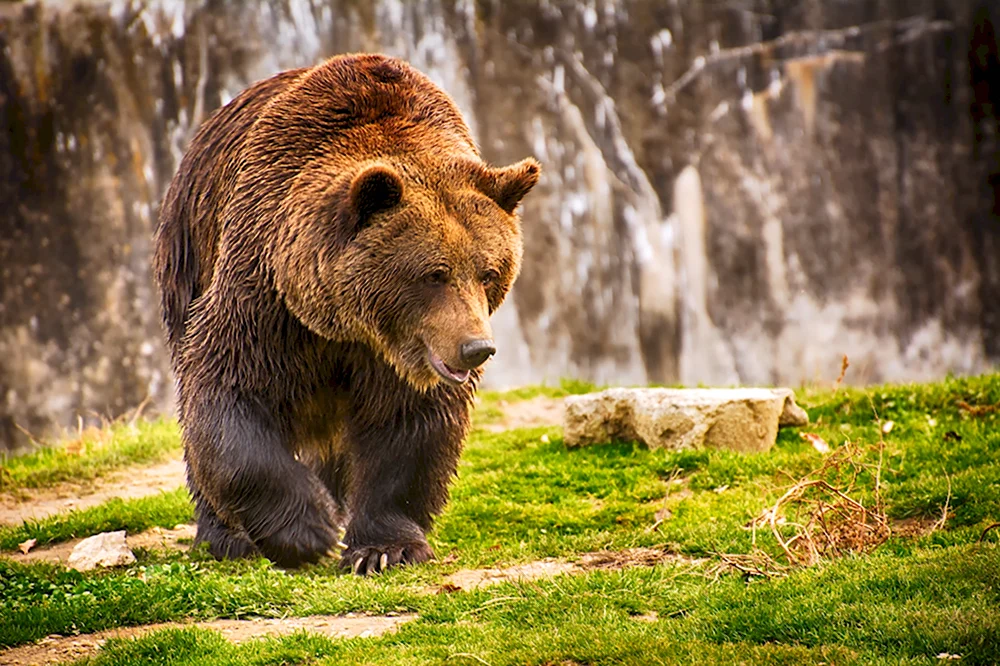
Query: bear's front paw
302	541
366	560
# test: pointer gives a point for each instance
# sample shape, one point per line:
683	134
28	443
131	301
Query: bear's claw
377	559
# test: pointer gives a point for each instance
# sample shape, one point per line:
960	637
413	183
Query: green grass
95	453
879	609
522	495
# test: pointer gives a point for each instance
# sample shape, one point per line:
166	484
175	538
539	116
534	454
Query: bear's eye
440	276
489	277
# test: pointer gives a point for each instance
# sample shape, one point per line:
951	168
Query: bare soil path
470	579
129	483
530	413
178	538
55	649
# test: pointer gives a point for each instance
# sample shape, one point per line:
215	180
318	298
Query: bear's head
412	260
383	225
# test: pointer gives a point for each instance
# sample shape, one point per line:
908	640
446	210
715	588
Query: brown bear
328	256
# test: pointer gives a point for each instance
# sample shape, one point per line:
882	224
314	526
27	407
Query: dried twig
663	513
844	364
944	511
31	438
988	528
757	564
976	410
138	410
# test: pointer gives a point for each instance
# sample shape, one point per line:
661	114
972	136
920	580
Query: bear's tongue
449	373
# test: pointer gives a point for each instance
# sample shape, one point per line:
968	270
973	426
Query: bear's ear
375	188
508	185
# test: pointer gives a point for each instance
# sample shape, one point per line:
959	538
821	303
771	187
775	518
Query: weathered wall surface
733	192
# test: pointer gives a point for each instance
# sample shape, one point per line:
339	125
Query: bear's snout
475	352
470	355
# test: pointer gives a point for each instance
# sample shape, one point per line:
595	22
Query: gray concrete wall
733	192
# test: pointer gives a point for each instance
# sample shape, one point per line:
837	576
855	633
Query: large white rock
743	419
101	550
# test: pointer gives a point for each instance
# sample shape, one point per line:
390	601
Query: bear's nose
475	352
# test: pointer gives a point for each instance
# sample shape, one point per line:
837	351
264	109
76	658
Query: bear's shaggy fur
328	255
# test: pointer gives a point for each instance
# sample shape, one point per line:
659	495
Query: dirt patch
129	483
54	649
155	538
470	579
633	557
540	411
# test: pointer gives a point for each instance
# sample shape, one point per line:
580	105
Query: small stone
745	419
791	414
101	550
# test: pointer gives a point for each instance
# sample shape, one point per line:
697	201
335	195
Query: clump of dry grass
819	517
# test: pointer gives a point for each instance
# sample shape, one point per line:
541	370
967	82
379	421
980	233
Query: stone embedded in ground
101	550
742	419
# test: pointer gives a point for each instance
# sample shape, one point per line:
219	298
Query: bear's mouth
445	371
